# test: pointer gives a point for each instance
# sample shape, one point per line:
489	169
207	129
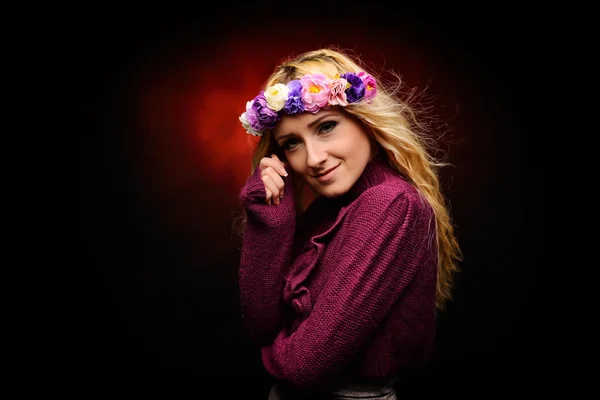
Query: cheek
295	161
352	148
359	146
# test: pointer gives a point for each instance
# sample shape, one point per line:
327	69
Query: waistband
341	389
355	388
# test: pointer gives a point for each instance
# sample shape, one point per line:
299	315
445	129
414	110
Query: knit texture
347	289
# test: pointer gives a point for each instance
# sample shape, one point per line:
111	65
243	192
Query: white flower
244	121
276	96
247	126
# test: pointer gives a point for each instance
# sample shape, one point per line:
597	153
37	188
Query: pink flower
315	92
370	85
337	93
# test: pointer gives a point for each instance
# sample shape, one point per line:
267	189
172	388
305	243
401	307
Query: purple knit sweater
347	289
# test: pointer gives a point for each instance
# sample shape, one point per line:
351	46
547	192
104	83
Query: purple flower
266	118
356	91
250	117
294	104
310	93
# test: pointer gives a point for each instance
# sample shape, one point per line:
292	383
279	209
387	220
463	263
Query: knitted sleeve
265	255
385	238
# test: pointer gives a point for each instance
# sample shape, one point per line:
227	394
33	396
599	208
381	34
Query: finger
281	168
276	178
277	165
271	187
269	196
273	184
275	157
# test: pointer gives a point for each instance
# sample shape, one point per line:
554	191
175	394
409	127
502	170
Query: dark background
153	157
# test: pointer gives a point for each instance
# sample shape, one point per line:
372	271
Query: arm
386	238
265	256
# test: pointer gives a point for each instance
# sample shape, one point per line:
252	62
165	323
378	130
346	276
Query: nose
315	154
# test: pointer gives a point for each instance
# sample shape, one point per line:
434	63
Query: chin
332	191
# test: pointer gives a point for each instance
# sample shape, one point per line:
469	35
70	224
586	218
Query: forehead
296	122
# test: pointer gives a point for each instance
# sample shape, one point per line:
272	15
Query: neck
376	171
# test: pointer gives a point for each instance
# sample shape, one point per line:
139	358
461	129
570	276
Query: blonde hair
404	139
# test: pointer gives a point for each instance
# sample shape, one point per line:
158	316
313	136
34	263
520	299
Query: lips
325	172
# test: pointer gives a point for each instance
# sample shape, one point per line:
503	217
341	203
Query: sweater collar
377	171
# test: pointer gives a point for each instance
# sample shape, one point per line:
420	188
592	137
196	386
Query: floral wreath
310	93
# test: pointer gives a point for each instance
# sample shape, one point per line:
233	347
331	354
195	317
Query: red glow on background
193	155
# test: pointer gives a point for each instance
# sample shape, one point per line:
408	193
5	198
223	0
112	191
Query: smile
327	175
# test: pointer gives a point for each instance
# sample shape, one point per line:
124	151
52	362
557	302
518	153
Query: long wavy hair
393	121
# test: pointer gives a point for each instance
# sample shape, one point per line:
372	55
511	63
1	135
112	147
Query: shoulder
393	192
392	204
393	208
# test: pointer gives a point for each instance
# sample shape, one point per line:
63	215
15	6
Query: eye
290	144
327	127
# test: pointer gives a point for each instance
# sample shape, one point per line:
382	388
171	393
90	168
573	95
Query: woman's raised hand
272	169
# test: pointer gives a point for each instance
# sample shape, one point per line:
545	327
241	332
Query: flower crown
310	93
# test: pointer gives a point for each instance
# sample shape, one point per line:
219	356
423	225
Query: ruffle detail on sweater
295	293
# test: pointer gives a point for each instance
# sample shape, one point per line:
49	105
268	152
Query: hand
271	169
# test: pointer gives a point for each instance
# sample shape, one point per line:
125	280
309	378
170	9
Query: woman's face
329	149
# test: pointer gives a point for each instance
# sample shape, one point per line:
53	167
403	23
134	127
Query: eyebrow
313	123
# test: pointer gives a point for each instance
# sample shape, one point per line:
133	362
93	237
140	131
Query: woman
348	246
